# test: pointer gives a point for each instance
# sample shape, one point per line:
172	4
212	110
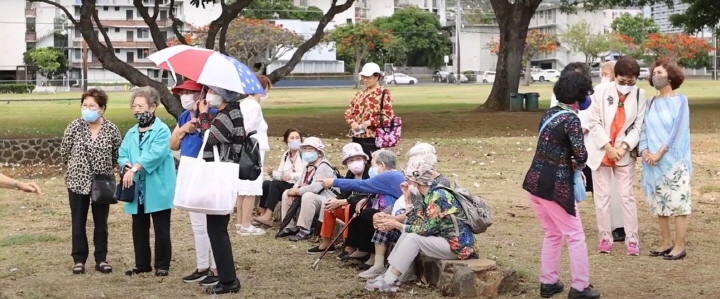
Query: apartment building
609	15
321	59
661	13
17	36
474	53
372	9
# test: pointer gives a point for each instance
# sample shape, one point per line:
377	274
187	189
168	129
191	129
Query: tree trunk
513	20
356	73
528	72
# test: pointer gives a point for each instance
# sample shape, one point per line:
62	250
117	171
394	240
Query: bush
16	88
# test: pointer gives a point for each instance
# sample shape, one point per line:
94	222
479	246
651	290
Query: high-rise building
661	13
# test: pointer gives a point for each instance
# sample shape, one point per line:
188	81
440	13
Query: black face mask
144	119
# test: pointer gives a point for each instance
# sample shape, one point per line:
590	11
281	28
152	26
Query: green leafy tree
281	9
359	40
48	61
637	27
88	22
581	38
700	14
421	36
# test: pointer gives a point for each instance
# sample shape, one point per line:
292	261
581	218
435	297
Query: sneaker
196	276
210	280
372	272
380	285
632	248
250	231
317	250
547	290
605	246
587	293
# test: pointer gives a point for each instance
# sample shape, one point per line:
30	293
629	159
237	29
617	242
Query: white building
474	51
609	15
16	37
661	13
372	9
321	59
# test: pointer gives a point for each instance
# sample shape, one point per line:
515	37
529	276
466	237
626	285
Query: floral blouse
366	106
435	219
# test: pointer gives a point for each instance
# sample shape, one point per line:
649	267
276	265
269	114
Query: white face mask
214	100
624	89
604	79
264	98
413	189
188	101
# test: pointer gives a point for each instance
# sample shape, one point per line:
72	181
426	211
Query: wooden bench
478	278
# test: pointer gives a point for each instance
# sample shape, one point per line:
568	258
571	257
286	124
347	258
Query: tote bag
578	184
206	187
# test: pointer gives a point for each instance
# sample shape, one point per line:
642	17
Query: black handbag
125	194
103	189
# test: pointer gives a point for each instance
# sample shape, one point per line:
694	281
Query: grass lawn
488	152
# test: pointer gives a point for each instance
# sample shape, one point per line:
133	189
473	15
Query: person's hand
354	126
645	156
189	127
360	205
621	152
612	153
29	187
405	188
327	183
293	191
377	218
268	170
127	180
654	158
203	106
366	124
389	224
333	204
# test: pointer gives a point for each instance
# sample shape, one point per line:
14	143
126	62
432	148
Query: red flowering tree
537	42
359	40
675	46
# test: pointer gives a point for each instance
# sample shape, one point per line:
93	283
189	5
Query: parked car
545	75
440	76
452	78
644	73
488	77
400	78
595	72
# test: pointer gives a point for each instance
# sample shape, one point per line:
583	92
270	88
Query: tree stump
480	278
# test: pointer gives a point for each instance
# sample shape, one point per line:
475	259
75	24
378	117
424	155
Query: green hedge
16	88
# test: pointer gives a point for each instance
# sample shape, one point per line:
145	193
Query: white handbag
206	187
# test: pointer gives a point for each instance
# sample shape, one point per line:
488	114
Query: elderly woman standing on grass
149	167
368	107
89	147
667	162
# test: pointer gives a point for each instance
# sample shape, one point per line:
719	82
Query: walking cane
316	264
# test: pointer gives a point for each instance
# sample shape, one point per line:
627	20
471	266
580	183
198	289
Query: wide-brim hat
315	143
353	149
187	85
420	171
227	95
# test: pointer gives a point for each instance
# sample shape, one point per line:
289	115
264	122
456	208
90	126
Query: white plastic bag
206	187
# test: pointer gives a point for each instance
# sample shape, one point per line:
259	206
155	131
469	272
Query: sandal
79	268
103	268
250	231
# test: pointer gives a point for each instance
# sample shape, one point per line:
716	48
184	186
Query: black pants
141	239
79	207
361	230
367	144
217	228
272	193
588	179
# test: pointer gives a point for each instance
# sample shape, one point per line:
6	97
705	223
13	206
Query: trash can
532	100
516	101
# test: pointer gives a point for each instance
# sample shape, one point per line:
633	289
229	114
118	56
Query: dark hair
572	88
576	67
100	97
675	75
290	131
627	67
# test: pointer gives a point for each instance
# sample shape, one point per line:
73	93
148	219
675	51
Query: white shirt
253	120
292	167
399	206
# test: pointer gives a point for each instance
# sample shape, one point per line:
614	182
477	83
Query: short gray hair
385	157
151	95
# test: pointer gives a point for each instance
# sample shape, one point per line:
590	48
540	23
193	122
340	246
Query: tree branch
177	23
101	28
61	7
159	39
229	13
223	38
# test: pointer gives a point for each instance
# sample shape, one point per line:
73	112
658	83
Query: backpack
249	158
477	213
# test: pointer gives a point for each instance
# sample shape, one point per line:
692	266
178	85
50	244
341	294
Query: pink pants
624	177
558	224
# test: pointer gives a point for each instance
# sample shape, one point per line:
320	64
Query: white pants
203	252
616	215
410	245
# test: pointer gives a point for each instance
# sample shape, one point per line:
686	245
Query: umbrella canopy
208	67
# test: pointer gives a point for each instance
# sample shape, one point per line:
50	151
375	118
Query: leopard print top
85	157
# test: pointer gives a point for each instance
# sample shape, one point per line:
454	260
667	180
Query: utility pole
715	56
84	65
458	26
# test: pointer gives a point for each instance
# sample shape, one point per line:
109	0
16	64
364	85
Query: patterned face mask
144	118
660	81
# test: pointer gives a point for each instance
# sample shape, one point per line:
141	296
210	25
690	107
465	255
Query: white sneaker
250	231
372	272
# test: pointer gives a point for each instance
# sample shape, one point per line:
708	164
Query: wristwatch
624	146
134	169
15	185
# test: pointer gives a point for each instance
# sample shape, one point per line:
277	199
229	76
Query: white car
545	75
644	74
400	78
488	77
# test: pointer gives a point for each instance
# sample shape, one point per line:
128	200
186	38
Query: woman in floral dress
667	165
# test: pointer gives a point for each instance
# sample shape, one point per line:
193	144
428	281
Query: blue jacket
191	143
386	185
158	166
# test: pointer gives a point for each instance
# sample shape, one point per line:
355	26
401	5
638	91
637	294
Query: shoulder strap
453	217
382	106
550	119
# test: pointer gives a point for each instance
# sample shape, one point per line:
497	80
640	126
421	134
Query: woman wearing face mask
225	130
248	190
89	146
384	189
433	231
283	178
616	117
309	190
364	113
667	163
149	167
339	208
